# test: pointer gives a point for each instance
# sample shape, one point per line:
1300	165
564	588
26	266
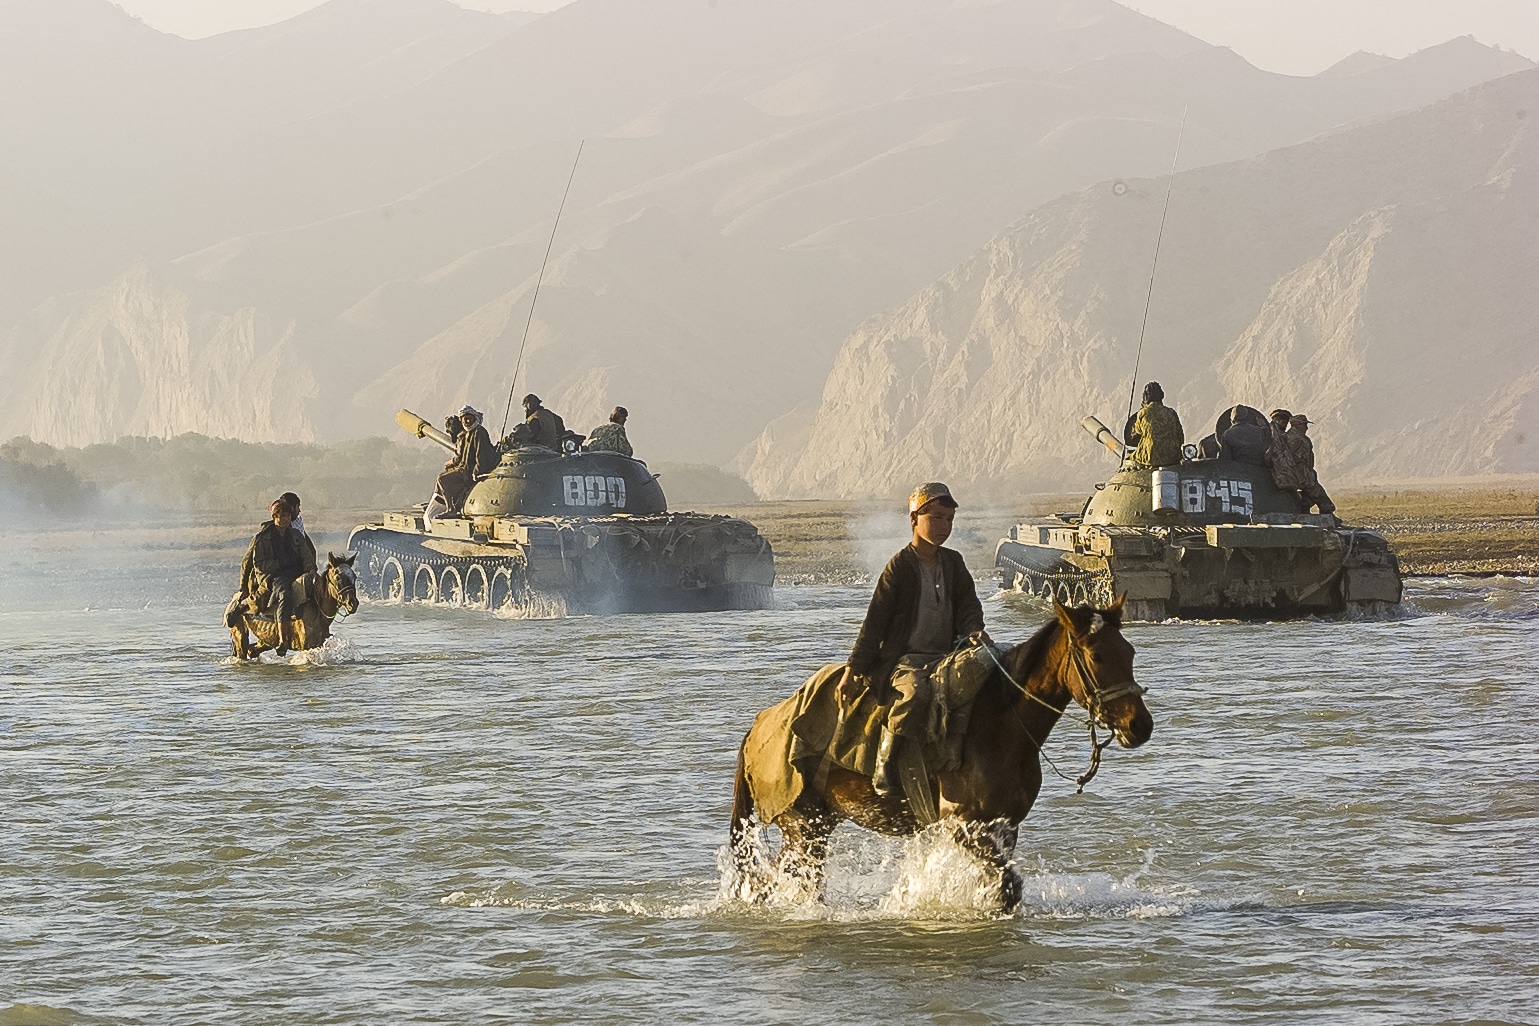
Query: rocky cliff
368	191
1380	279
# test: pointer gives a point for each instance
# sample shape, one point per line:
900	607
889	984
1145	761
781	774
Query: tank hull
1231	546
556	566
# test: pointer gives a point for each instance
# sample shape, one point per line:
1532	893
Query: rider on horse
924	605
278	558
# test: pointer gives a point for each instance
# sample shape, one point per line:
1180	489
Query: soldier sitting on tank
1286	472
540	427
275	561
1302	451
1154	432
474	460
610	437
924	606
1246	438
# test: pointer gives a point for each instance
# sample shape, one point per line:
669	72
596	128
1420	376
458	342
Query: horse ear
350	557
1075	621
1062	612
1113	612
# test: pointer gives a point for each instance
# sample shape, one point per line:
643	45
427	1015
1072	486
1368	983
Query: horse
332	591
1080	654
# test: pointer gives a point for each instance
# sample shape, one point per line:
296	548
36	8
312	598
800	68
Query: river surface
449	817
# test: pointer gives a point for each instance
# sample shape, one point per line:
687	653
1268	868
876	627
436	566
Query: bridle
1097	696
334	589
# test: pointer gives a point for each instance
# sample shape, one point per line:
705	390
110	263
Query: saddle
823	736
257	607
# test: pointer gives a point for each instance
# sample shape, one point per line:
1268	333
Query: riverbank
1434	531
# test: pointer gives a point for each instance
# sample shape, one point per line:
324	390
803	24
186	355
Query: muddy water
453	818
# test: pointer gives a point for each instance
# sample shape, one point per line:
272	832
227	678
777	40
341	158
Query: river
448	817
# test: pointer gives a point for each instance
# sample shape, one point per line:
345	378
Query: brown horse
1079	655
332	591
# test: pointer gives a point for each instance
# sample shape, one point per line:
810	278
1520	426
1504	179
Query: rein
1096	697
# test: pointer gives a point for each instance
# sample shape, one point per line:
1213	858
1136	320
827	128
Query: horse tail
742	800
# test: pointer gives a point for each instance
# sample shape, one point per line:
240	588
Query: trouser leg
1314	495
283	603
454	486
909	710
905	718
436	508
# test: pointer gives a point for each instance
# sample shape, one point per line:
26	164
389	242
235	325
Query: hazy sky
1296	37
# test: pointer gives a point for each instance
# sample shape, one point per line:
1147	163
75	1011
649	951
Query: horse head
1099	671
341	584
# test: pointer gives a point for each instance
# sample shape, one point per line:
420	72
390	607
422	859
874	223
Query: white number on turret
1232	496
1192	495
593	490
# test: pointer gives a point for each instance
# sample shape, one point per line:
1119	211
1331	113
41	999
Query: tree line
196	473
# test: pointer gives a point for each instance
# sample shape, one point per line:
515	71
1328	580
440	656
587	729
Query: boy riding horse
277	559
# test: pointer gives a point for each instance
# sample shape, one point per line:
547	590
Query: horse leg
994	844
804	849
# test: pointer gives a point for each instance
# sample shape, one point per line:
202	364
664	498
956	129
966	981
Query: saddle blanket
798	740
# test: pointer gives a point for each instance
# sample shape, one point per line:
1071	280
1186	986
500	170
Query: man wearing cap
924	606
1155	431
541	426
610	437
1286	472
277	557
474	460
1303	452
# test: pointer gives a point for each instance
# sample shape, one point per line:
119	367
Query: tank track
404	573
1069	584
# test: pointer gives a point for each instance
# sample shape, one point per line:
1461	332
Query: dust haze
828	250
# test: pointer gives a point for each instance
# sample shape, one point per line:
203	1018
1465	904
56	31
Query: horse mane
998	694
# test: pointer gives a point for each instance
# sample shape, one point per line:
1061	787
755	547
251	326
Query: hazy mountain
367	192
1380	279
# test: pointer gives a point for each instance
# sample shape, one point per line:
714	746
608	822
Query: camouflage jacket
1286	470
1302	450
1156	435
609	437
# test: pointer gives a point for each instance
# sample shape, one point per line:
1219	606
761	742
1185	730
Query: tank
550	534
1208	538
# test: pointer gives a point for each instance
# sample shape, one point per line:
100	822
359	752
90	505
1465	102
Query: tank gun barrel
422	429
1101	433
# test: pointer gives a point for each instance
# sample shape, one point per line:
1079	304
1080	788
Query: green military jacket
1157	436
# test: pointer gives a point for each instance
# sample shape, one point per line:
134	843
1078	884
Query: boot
884	779
285	636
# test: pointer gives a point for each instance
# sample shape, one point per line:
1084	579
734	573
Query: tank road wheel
501	593
451	589
1063	595
392	581
1080	596
475	587
424	588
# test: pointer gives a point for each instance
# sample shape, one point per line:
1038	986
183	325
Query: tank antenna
513	386
1138	358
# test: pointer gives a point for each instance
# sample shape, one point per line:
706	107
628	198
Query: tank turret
1208	537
